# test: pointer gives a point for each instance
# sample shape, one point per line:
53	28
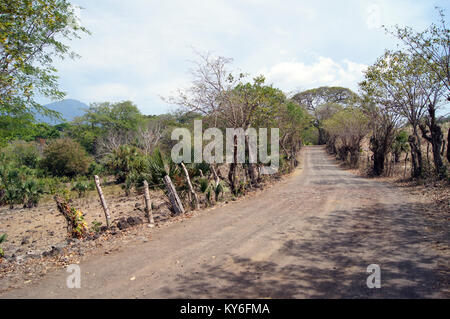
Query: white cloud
291	75
113	92
140	49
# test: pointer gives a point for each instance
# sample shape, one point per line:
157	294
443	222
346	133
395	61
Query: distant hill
69	109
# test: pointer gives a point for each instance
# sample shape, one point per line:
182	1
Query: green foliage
160	165
432	45
203	184
82	186
76	224
209	194
18	185
400	144
2	240
219	189
124	161
65	157
32	34
129	182
22	153
196	167
53	185
103	118
96	226
95	169
347	127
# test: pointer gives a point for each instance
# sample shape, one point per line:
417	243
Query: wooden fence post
191	189
148	205
103	201
173	196
216	177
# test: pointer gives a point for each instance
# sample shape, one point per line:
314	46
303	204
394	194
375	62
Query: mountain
69	109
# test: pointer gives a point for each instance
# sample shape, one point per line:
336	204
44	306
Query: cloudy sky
140	50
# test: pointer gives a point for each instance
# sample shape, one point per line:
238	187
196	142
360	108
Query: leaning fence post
148	205
173	196
103	201
191	188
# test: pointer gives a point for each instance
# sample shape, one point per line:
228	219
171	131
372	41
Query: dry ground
311	236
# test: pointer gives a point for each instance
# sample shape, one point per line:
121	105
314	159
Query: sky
140	50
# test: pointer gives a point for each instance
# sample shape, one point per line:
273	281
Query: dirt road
310	236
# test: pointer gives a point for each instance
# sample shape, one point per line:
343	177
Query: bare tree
148	136
111	141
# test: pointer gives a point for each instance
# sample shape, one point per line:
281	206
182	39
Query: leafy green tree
433	45
348	126
31	36
65	157
314	100
293	122
104	120
403	84
122	116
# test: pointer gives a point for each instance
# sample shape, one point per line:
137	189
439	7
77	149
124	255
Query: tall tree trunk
448	146
354	156
233	169
321	136
378	163
379	155
251	169
406	162
415	153
435	137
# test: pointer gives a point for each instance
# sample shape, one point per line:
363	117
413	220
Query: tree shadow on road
331	262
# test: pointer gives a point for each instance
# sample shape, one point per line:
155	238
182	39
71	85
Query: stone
133	221
124	223
25	240
52	252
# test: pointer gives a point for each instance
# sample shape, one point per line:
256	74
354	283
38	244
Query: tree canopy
32	35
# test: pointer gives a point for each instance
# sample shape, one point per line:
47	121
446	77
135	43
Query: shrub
125	160
2	240
53	185
82	187
31	192
160	166
65	157
95	169
203	184
23	153
96	226
19	186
